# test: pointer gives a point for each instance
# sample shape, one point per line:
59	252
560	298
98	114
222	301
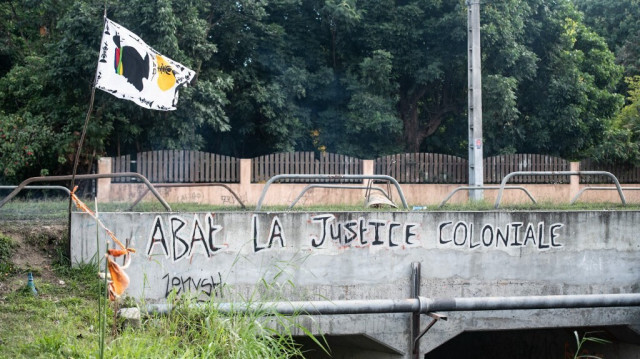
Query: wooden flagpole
79	149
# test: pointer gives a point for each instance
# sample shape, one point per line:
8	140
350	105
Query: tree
621	142
617	22
573	92
52	49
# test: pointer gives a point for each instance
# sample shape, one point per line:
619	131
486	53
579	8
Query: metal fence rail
331	177
601	189
320	185
173	185
557	173
61	188
468	188
24	184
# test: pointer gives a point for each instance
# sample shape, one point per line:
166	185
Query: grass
58	323
56	210
202	332
62	321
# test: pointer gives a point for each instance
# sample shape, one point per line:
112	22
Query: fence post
574	180
245	176
367	169
104	184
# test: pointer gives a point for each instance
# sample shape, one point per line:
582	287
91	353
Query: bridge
376	256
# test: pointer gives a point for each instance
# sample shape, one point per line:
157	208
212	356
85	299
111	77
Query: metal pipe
424	305
601	189
80	177
331	177
485	187
557	173
311	186
165	185
61	188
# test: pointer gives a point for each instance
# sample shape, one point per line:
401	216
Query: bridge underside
297	256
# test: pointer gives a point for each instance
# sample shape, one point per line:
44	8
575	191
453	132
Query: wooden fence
201	167
423	168
180	167
267	166
496	167
439	168
624	173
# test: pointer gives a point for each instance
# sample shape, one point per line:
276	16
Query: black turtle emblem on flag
130	64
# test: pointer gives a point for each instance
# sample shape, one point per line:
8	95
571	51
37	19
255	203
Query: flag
128	68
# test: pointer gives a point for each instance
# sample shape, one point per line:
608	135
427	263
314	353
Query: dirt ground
37	247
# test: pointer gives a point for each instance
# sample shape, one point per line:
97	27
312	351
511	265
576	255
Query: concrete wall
284	194
368	255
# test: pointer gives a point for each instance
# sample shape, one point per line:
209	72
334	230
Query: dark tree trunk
421	121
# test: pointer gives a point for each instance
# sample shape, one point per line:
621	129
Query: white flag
130	69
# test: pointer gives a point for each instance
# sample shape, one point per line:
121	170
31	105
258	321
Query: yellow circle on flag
166	78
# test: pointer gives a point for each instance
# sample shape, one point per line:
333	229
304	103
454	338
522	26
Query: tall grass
63	322
200	331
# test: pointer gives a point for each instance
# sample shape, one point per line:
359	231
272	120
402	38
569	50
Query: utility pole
474	74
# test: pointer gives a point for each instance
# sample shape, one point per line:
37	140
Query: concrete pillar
245	173
574	183
104	184
367	169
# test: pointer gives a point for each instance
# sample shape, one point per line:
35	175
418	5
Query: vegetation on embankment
62	320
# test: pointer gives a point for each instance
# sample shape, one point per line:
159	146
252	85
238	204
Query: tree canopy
363	78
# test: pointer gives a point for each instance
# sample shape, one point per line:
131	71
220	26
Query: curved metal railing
332	177
557	173
24	184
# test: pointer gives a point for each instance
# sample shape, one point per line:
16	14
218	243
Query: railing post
367	170
104	184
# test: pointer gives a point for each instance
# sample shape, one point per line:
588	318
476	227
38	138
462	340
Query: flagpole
79	149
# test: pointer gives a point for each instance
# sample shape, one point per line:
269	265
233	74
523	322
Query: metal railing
601	189
24	184
171	185
469	188
557	173
333	177
61	188
320	185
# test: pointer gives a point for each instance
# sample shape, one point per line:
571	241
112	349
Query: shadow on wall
540	343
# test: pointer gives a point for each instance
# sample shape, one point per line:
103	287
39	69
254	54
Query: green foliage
617	22
586	338
62	322
191	331
360	78
622	138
